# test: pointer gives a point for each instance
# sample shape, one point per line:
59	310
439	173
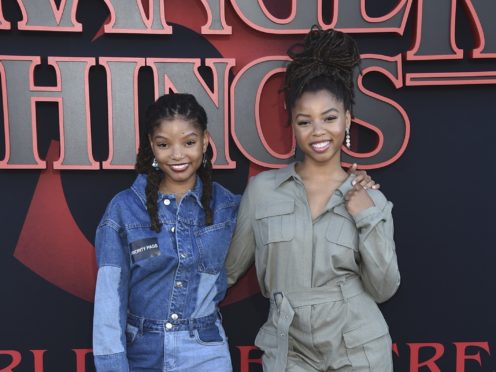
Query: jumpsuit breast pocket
212	243
342	232
276	221
342	242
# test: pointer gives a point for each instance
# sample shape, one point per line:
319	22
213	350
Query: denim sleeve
379	266
110	310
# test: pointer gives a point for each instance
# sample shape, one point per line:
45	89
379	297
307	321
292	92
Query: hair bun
327	52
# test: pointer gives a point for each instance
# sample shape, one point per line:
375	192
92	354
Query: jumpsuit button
168	326
173	229
166	201
179	284
174	317
282	334
182	255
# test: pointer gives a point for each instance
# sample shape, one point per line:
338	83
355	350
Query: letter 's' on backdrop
75	77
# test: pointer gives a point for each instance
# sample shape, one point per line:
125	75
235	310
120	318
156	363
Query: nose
177	153
318	129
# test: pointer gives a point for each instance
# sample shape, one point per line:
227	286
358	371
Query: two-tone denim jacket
175	275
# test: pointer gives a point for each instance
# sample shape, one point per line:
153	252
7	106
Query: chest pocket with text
276	221
143	249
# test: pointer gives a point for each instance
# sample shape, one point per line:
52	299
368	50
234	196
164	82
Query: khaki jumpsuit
322	277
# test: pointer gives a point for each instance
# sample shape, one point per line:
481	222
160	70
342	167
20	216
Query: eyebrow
323	113
158	136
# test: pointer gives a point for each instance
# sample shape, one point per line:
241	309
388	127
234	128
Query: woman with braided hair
160	250
322	243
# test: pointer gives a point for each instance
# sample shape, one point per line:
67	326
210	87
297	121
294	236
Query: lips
179	167
321	146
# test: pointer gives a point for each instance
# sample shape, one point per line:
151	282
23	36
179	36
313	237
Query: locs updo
324	61
170	107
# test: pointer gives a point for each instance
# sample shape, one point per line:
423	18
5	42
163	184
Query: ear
348	119
206	138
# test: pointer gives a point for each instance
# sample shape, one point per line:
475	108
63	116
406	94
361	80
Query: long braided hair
324	61
169	107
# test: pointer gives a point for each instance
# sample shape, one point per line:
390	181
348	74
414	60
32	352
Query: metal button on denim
162	259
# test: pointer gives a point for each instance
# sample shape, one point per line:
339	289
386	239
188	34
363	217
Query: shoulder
221	195
119	206
266	179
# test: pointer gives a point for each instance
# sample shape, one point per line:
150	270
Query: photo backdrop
76	76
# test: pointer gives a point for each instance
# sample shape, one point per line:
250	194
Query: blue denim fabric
167	283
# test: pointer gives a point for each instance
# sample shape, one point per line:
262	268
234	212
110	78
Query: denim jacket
176	275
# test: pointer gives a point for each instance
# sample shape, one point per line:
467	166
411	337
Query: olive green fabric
323	277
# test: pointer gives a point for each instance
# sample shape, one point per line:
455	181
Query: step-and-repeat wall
76	76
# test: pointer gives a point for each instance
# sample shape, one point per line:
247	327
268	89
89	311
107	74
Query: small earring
348	141
155	164
204	161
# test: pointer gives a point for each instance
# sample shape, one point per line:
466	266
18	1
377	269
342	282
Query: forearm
379	265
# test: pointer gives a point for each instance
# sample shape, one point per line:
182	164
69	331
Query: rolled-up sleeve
379	264
110	309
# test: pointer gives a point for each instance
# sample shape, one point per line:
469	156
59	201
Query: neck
176	188
331	170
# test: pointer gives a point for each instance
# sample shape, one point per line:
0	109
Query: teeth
179	167
320	145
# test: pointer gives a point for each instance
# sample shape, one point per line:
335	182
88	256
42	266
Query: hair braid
205	174
152	185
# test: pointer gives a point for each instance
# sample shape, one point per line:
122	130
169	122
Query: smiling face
178	145
319	122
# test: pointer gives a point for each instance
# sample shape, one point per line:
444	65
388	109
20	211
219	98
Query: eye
330	118
162	145
190	143
302	123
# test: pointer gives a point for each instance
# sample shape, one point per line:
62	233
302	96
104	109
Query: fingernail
353	182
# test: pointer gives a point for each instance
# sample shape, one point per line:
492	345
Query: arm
110	311
242	249
379	266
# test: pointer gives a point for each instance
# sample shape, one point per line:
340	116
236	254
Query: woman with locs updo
322	243
160	250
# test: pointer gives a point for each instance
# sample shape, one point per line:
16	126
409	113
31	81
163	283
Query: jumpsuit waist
171	325
287	302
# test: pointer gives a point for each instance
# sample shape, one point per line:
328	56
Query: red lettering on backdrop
38	360
461	355
395	349
415	363
16	360
244	358
4	25
81	359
